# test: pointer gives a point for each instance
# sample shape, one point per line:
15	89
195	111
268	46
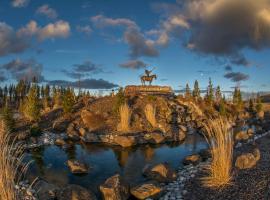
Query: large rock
46	191
194	159
154	137
92	121
241	135
125	141
114	188
76	192
77	167
61	124
146	190
90	138
160	172
248	160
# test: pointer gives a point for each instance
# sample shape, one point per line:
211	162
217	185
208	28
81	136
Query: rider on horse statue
148	77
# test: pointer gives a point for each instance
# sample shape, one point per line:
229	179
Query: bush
8	119
68	101
119	101
220	140
31	106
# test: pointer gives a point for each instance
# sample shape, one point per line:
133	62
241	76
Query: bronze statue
148	77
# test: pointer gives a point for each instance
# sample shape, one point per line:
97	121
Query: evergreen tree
222	108
237	98
218	94
32	105
259	105
187	92
210	92
251	105
196	91
68	101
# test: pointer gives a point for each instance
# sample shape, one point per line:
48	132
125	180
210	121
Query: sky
109	43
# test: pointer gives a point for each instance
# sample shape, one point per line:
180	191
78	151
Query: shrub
8	119
220	140
125	114
150	113
11	166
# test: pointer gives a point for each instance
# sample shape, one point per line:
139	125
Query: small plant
125	115
220	139
150	113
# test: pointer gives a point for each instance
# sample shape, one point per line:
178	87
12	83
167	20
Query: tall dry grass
150	113
125	115
11	166
220	139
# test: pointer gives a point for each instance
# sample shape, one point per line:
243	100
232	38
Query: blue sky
92	39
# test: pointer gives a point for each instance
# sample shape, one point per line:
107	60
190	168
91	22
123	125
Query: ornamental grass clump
220	139
12	168
150	113
125	115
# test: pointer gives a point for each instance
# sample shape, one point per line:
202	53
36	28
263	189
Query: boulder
114	188
92	120
82	131
125	141
183	128
247	160
241	135
194	159
77	167
46	191
76	192
60	142
250	132
146	190
160	172
260	114
90	138
205	154
156	138
61	124
180	135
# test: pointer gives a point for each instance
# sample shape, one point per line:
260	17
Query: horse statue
148	78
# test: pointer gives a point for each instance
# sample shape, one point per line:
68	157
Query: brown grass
11	166
125	115
220	139
150	113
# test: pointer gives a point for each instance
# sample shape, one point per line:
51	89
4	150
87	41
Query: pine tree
187	92
237	98
218	94
31	105
210	92
222	108
251	105
259	105
68	101
196	91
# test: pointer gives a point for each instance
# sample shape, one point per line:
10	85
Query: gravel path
252	184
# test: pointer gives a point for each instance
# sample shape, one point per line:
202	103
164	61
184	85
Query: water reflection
50	162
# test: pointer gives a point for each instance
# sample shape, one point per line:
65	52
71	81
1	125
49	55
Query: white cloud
84	29
19	3
47	11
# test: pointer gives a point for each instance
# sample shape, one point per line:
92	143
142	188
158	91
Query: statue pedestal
148	90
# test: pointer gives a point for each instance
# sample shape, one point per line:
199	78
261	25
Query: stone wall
148	89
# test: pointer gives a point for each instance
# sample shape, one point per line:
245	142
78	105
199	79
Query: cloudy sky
106	43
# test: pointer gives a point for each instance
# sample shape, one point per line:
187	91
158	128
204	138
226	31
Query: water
50	161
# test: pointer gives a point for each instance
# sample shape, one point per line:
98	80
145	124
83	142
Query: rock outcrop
77	167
